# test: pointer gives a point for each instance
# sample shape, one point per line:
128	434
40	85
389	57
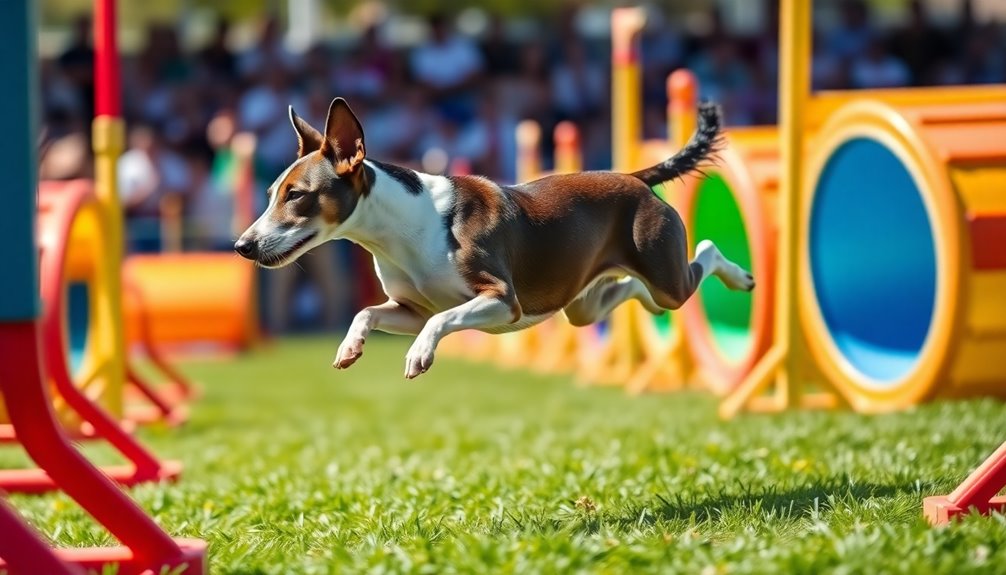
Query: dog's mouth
273	261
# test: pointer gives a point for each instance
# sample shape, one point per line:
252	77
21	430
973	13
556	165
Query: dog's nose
247	249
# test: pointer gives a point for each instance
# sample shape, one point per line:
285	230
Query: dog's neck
397	223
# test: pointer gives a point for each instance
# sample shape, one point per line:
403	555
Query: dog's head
314	196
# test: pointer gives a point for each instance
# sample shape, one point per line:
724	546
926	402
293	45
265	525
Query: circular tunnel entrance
872	260
717	217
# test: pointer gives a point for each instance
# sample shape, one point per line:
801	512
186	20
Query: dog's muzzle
247	248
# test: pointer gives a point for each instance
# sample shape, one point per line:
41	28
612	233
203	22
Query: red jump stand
977	493
24	385
58	206
147	548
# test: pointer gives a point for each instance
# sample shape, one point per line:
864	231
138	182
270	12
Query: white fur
280	243
406	235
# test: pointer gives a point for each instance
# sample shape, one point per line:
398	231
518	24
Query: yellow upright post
620	356
668	363
781	362
557	338
108	142
626	79
517	349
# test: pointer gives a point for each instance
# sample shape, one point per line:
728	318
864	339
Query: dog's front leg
483	311
390	316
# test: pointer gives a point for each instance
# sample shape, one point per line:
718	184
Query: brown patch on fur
346	166
550	238
480	207
332	180
326	194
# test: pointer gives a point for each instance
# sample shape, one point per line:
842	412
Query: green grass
292	467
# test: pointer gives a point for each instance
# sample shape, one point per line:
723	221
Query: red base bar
85	432
152	415
191	561
24	549
30	410
979	492
157	406
940	509
38	481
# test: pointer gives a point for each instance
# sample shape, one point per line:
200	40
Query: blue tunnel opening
873	260
78	311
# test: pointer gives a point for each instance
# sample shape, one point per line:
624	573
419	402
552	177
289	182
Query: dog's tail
706	140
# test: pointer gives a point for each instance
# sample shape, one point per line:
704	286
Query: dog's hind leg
598	300
665	269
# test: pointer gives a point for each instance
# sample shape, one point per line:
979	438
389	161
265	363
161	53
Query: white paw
420	358
350	350
738	279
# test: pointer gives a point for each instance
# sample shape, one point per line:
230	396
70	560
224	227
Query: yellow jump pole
781	364
108	143
517	349
557	338
617	359
668	364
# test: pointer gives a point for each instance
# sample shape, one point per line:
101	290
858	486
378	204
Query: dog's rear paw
742	280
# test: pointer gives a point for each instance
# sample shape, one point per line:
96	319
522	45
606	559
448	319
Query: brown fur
550	238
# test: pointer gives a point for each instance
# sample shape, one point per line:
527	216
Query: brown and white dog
462	252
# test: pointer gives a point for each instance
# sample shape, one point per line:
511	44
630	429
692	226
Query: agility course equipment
77	244
198	301
625	355
557	338
733	205
22	384
83	398
896	300
187	298
910	306
977	492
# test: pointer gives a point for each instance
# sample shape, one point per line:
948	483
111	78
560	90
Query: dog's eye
294	195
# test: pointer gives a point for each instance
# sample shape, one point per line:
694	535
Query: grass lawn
293	467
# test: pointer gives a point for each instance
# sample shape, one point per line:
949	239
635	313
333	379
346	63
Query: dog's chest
433	284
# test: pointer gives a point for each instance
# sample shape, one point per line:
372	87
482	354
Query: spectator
148	173
216	58
209	207
497	52
360	76
448	66
828	71
579	86
919	43
263	111
878	68
77	64
983	63
724	77
853	35
267	52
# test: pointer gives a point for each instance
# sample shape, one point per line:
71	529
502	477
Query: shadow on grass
793	503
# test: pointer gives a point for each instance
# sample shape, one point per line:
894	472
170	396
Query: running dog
462	252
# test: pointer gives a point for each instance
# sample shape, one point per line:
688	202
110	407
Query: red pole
106	60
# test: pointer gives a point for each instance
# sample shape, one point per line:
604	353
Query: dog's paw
419	359
739	279
350	351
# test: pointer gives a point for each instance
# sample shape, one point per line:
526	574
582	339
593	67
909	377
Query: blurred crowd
447	101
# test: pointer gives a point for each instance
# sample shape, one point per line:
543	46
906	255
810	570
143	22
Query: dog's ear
308	138
343	141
